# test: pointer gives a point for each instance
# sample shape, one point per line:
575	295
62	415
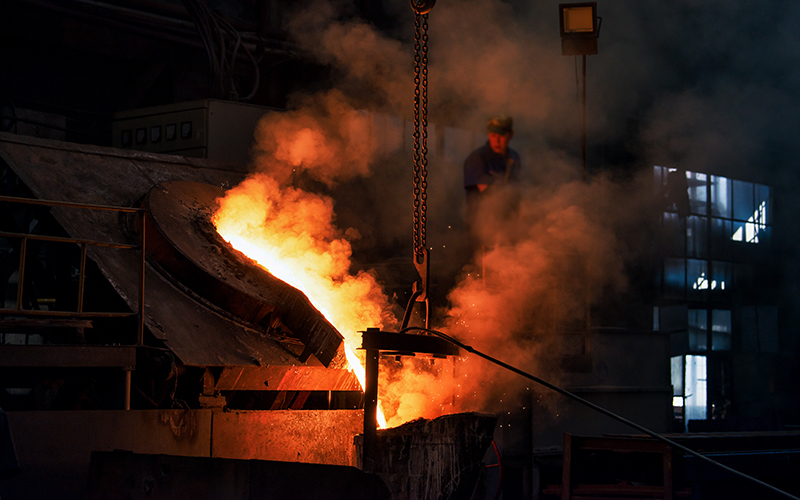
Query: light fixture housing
579	30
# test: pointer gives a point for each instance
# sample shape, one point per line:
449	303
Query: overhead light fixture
579	32
579	28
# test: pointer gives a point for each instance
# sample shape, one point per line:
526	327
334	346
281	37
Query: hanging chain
420	129
424	122
421	260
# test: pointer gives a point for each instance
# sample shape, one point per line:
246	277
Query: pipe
370	410
583	120
23	245
82	277
142	271
126	391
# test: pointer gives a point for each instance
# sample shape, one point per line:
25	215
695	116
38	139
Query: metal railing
83	244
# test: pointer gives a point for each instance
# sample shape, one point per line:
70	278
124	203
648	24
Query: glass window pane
751	209
698	326
675	191
762	203
721	235
743	207
672	318
698	274
749	232
695	388
739	231
721	276
674	277
697	278
696	236
675	235
659	179
676	365
721	197
763	234
697	192
720	330
743	276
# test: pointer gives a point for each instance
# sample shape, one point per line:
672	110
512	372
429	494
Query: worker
490	167
494	161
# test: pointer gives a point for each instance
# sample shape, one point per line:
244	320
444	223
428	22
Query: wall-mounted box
210	128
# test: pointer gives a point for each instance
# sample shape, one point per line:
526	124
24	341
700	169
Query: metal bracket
420	287
423	264
375	343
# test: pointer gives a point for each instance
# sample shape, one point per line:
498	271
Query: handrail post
140	329
81	278
126	389
23	245
370	411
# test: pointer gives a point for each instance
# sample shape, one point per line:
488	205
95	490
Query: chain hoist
421	262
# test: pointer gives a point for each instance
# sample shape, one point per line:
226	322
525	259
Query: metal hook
422	7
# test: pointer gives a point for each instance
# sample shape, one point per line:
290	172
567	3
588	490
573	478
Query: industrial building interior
651	273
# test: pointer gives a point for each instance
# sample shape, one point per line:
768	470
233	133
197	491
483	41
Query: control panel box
209	128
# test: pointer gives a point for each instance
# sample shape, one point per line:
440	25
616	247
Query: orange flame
290	233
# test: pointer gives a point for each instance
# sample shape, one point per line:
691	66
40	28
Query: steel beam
67	356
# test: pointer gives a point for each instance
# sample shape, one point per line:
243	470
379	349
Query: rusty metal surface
122	475
105	176
433	459
188	247
310	436
57	445
201	337
299	378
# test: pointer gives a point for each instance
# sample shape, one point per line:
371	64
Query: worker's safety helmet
500	124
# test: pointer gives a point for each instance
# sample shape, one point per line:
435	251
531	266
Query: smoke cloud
483	60
675	84
323	136
539	251
667	76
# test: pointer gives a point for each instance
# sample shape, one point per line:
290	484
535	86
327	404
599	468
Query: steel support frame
377	343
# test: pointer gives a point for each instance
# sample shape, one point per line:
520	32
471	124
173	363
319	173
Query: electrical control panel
209	128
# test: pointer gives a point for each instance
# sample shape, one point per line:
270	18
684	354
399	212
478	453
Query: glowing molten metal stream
291	234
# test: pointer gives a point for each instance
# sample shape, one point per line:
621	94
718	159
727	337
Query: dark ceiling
87	60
